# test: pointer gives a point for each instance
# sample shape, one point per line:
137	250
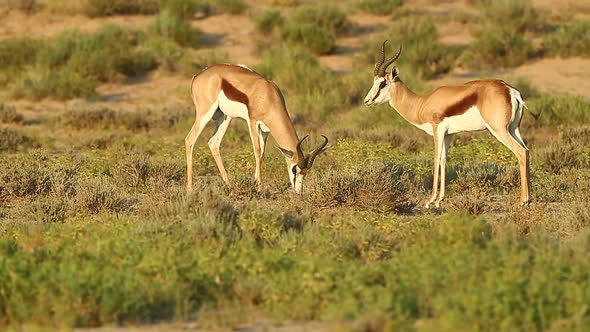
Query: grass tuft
569	40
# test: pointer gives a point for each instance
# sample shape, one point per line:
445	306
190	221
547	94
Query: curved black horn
300	156
387	63
317	151
378	64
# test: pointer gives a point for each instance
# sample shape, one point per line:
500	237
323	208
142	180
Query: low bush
498	47
517	15
568	40
379	7
63	83
8	114
11	138
564	109
229	6
95	8
99	194
561	156
35	174
16	53
268	21
175	28
106	118
421	54
380	187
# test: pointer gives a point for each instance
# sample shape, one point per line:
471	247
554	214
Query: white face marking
379	92
296	177
232	108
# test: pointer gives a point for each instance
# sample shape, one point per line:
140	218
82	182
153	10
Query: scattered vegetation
569	40
379	7
96	227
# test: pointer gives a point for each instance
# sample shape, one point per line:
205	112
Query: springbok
223	92
473	106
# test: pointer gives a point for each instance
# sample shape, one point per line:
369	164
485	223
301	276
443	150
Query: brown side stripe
461	106
233	93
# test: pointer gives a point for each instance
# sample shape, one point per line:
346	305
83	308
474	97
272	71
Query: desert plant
15	53
570	39
94	8
517	15
268	21
315	27
11	138
175	28
99	194
381	187
560	109
8	114
560	156
497	47
379	7
230	6
421	53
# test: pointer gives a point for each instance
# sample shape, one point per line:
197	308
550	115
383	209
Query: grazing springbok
223	92
473	106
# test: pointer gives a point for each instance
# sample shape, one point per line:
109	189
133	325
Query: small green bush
62	83
15	53
421	54
568	40
560	109
379	7
268	21
315	27
175	28
95	8
517	15
561	156
498	47
229	6
99	194
185	9
378	186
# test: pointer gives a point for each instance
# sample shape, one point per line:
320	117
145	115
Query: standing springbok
223	92
473	106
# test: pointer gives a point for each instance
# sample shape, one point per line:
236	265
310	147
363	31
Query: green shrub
498	47
166	53
569	40
379	7
106	118
94	8
95	195
268	21
381	187
15	53
315	27
560	109
182	8
62	83
517	15
175	28
420	53
229	6
11	138
561	156
317	39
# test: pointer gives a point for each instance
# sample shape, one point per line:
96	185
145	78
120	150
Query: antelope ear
285	152
394	72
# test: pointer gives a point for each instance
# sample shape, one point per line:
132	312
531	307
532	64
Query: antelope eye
382	84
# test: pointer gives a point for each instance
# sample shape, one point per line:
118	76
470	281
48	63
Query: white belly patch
468	121
231	108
